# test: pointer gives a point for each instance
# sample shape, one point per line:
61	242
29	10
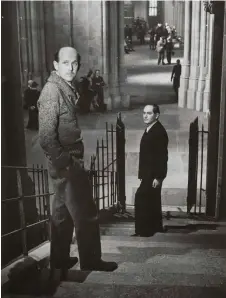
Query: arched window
152	8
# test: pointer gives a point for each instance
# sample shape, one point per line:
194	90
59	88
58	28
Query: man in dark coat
169	49
152	171
175	76
60	138
97	85
31	96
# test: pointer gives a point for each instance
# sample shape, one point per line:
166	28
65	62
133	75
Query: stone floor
146	83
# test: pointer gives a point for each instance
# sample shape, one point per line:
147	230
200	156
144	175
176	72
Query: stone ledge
37	258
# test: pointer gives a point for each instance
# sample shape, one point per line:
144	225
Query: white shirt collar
150	126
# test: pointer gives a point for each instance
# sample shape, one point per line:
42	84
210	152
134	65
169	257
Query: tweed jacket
153	153
58	126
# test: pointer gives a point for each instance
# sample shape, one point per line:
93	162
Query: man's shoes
66	265
147	235
100	266
135	235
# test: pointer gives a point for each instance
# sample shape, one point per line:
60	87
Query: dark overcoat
152	165
153	153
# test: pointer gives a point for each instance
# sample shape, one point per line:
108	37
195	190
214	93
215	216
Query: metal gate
25	210
107	169
197	161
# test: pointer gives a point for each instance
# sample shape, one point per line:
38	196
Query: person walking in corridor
60	138
160	48
169	49
153	160
175	76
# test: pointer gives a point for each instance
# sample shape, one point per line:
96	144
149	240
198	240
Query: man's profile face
148	115
67	66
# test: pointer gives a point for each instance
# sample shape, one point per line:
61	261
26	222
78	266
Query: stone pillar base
182	96
206	98
199	101
117	101
191	99
125	100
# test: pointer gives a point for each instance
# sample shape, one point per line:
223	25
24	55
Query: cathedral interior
181	263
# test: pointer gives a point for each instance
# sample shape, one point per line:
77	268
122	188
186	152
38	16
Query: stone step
154	285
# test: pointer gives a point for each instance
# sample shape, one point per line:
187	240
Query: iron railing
107	169
25	210
196	195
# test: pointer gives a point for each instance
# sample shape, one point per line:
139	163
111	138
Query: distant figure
130	33
31	96
86	92
97	86
152	44
129	44
153	160
126	48
169	49
176	73
160	48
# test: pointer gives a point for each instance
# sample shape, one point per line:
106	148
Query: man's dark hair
56	58
156	109
90	72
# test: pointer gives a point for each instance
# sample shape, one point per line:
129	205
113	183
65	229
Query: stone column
195	43
179	17
125	98
113	48
182	102
220	212
105	15
202	62
209	60
32	42
114	55
215	108
25	67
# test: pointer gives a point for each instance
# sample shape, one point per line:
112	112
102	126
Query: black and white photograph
113	149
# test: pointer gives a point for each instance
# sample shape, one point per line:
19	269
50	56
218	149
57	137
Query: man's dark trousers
168	56
148	210
161	57
73	206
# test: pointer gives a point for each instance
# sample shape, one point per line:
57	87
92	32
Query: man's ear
55	64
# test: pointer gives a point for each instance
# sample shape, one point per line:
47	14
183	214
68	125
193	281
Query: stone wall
173	14
141	9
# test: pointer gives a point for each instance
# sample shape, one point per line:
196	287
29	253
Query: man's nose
70	66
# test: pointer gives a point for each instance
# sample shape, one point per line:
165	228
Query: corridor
147	81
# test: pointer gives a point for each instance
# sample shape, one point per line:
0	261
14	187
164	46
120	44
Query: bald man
152	171
60	138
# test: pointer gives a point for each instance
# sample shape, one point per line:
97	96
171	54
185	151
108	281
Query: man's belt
75	150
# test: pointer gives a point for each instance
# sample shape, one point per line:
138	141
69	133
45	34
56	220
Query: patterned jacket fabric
58	126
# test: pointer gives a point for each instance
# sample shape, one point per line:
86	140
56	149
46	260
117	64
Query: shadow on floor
189	228
38	283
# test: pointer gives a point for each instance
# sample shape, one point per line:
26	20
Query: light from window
153	8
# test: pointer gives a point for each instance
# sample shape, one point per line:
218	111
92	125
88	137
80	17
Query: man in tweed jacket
60	138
